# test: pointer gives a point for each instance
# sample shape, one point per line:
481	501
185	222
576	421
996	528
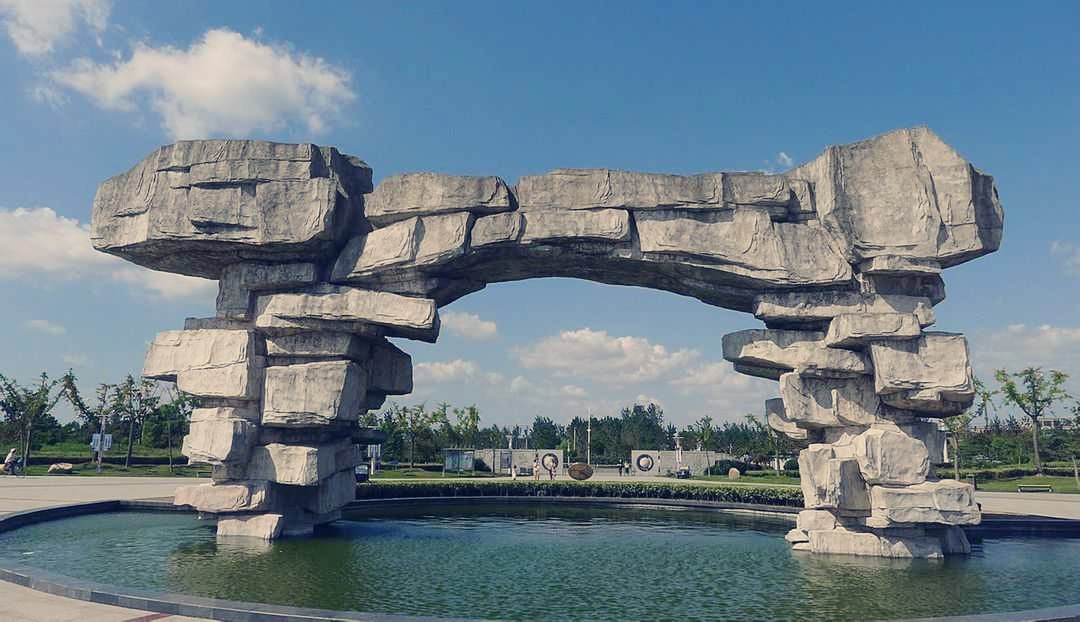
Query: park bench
1034	488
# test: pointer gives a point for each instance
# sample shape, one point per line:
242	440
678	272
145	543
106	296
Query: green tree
29	409
545	433
134	401
1034	393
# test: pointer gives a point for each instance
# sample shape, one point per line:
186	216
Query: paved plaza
19	494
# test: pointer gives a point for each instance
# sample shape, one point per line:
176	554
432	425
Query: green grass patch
751	479
1009	484
83	469
423	474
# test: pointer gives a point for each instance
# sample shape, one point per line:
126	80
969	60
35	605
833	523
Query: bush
630	490
792	464
721	467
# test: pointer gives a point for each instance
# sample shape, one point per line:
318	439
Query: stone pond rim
841	258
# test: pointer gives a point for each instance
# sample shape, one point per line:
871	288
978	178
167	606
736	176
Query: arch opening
841	258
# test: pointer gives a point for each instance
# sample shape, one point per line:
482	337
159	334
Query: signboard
95	442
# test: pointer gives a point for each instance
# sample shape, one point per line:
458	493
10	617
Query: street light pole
588	445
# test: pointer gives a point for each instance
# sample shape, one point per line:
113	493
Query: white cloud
39	245
784	160
571	390
602	358
468	325
45	326
1019	346
36	27
75	360
1069	254
223	84
444	371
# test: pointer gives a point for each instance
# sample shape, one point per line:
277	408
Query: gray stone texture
427	194
197	206
841	258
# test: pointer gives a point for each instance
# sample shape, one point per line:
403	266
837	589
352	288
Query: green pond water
549	562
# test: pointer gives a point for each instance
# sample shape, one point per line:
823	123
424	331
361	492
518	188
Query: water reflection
555	562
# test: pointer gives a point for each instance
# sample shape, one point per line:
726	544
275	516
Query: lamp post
588	443
510	446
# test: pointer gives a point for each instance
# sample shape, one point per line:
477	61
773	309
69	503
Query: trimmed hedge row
630	490
178	460
983	474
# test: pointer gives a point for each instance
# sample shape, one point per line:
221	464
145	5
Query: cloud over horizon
38	245
224	84
37	27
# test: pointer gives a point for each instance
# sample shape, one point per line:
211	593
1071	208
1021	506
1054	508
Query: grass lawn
1060	484
119	448
141	470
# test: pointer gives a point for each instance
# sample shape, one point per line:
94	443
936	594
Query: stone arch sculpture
841	258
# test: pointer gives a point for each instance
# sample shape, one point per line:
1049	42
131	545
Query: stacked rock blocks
841	258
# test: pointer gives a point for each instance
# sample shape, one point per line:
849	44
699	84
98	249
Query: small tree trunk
955	457
1076	473
26	454
168	436
1035	445
131	436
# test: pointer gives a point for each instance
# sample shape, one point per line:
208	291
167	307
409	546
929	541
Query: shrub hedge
629	490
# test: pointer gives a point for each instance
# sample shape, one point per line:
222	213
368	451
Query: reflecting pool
548	562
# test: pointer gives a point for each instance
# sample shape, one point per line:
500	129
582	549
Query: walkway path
18	494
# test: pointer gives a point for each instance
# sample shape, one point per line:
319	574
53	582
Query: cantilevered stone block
299	465
217	441
319	344
348	309
930	374
829	402
856	330
746	243
313	394
401	197
770	353
794	308
239	280
947	502
197	206
412	243
905	193
776	416
389	370
207	363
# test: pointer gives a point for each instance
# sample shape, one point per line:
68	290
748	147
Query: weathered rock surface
426	194
905	194
856	330
795	308
197	206
208	363
300	465
239	280
841	258
947	502
748	243
216	441
262	526
829	402
891	457
228	497
349	309
770	353
313	394
930	374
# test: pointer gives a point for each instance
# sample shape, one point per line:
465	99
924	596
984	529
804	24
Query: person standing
10	460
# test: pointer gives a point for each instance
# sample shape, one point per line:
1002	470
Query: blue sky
512	89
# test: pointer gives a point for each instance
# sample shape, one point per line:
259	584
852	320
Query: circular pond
547	562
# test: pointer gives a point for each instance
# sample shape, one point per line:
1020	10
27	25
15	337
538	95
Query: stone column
283	372
863	382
